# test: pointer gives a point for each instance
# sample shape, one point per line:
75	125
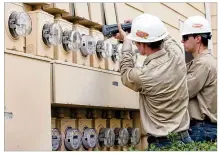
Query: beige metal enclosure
27	101
78	85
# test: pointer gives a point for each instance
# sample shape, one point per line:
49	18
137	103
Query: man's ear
198	39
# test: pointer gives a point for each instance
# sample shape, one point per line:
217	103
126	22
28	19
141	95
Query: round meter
19	24
108	48
73	139
115	53
106	137
71	40
134	136
100	49
56	139
52	34
103	49
121	136
89	138
87	45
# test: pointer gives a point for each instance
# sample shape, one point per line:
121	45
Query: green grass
179	146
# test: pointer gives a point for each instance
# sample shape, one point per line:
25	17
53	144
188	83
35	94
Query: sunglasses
186	37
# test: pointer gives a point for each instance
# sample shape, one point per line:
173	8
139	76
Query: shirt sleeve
129	74
196	78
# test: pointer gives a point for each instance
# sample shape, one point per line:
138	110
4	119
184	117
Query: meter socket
56	139
106	137
89	138
73	139
121	136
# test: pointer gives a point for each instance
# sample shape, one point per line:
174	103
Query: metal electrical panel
59	51
34	42
11	43
77	80
78	57
96	61
30	90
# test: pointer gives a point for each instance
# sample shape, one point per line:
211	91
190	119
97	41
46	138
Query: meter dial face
89	138
19	24
56	139
106	137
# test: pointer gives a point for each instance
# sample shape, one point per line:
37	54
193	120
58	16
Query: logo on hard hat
142	34
197	25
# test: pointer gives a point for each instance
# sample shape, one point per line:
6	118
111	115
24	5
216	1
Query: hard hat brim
137	39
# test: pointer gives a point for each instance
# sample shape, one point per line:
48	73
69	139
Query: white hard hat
195	25
147	28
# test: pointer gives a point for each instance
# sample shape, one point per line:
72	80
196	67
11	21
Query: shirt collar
154	55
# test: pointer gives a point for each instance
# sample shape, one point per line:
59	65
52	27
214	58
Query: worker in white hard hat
161	81
201	79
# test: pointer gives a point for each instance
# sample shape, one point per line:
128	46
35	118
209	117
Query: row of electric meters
74	139
40	33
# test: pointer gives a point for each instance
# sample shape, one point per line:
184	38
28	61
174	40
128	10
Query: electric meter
103	49
116	52
106	137
73	139
108	48
134	136
88	45
121	136
71	40
52	34
19	24
89	138
56	139
100	49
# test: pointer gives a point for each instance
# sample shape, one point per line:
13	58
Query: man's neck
199	50
152	51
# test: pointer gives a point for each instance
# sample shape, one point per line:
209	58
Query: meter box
134	133
106	138
44	36
89	138
134	136
64	50
112	63
63	125
136	124
89	135
114	123
104	134
73	139
54	8
87	46
18	25
98	58
121	136
56	139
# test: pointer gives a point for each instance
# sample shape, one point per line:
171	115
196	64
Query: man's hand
122	34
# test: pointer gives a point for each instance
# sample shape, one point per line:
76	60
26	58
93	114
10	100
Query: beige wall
169	13
214	27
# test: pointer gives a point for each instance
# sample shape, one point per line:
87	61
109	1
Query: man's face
140	48
189	43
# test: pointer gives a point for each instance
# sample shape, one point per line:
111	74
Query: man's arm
196	78
129	74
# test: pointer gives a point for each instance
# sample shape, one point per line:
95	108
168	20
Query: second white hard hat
196	25
147	28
